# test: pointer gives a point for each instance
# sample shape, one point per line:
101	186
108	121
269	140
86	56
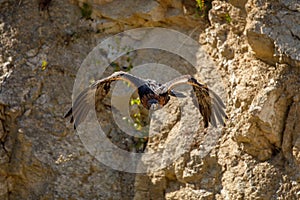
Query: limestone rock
115	16
290	143
293	5
268	123
190	194
274	33
255	156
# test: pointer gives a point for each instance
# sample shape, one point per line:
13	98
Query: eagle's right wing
84	101
210	104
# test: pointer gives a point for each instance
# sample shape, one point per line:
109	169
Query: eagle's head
153	104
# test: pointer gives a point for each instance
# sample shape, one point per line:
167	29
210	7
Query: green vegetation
200	4
139	142
137	116
228	18
134	101
86	11
138	119
138	122
44	64
118	67
203	6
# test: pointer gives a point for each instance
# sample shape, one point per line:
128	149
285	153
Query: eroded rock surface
273	31
255	46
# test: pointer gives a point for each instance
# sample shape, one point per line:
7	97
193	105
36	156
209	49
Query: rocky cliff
255	47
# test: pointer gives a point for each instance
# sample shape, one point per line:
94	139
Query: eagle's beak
154	105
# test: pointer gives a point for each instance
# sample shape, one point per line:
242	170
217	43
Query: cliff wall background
255	45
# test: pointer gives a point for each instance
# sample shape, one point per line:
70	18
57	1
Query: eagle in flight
152	94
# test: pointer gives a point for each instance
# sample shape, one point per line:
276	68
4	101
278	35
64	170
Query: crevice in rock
287	112
295	36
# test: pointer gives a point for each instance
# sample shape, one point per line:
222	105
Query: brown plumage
152	96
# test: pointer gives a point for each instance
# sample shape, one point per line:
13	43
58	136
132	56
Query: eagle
153	95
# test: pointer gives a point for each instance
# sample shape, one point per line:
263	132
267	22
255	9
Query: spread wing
211	105
84	102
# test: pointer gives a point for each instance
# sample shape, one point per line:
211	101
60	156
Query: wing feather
210	104
84	102
213	120
217	99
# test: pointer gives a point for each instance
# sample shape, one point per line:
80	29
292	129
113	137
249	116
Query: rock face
255	46
271	29
115	16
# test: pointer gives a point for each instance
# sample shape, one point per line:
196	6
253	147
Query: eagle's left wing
211	105
84	102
